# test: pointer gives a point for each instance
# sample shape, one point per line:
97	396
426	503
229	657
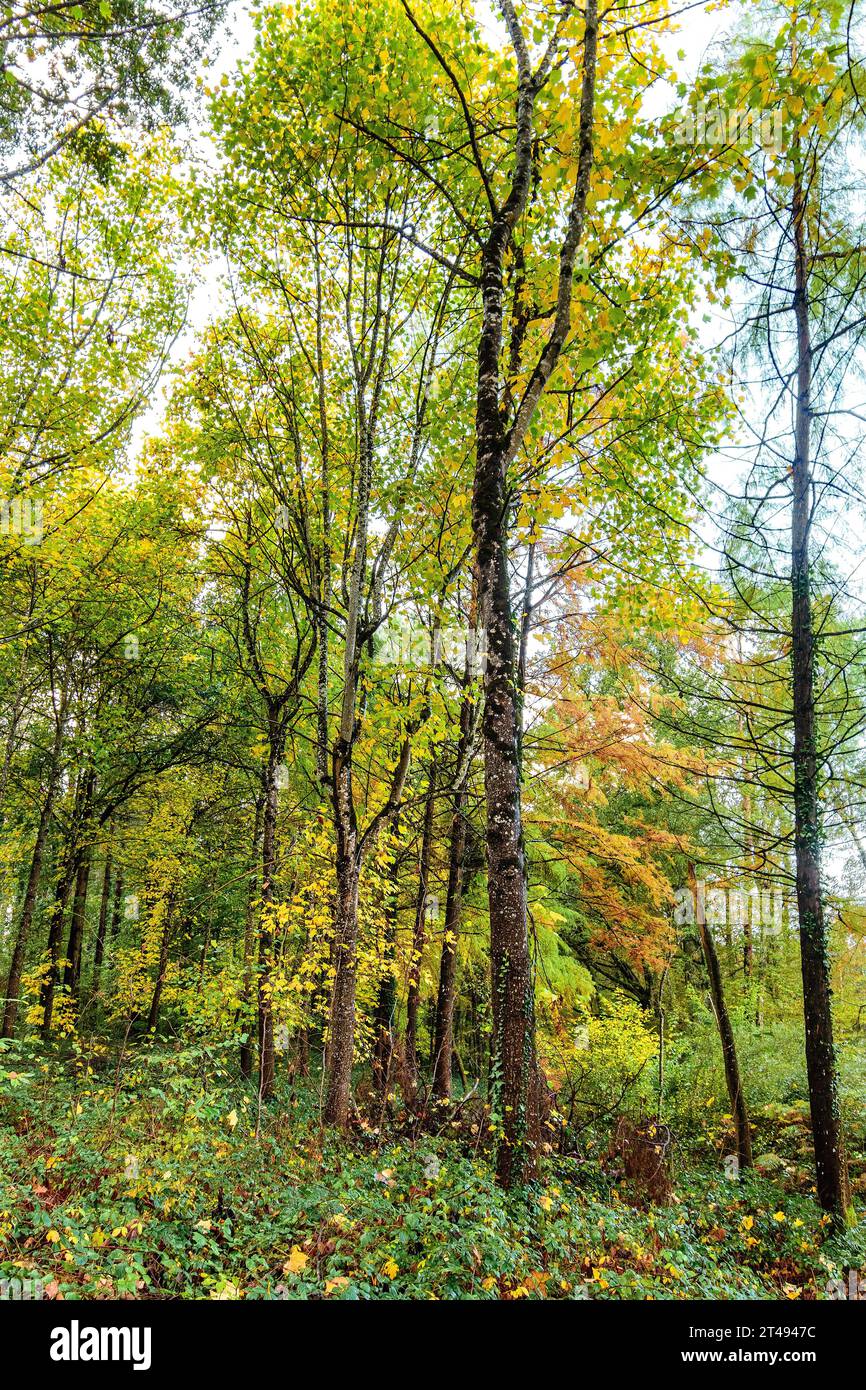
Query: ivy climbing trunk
498	442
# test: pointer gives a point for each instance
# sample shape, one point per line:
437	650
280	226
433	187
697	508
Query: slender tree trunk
325	578
13	983
419	931
386	1002
267	1058
443	1040
99	949
726	1033
67	877
830	1162
72	974
341	1028
443	1045
246	1048
161	969
748	941
116	907
16	706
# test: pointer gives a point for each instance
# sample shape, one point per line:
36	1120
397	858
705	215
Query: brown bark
386	1001
102	924
67	876
514	1089
161	969
267	1056
726	1033
16	967
117	906
419	930
341	1023
72	974
443	1042
246	1047
443	1038
830	1163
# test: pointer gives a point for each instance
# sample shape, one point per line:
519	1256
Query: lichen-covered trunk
513	1059
830	1163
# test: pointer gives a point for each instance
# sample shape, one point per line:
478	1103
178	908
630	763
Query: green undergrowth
161	1178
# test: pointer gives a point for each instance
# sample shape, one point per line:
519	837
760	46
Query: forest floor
160	1178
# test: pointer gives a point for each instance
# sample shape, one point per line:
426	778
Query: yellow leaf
390	1268
297	1261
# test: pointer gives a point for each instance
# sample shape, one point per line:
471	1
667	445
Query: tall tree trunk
66	878
323	747
514	1091
443	1042
117	906
830	1162
726	1033
13	983
102	924
386	1001
511	976
267	1058
161	968
443	1039
246	1048
341	1025
419	930
72	974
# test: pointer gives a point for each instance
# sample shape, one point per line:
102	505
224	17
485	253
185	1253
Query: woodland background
432	687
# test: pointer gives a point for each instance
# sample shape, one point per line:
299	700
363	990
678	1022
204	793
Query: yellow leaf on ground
297	1261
